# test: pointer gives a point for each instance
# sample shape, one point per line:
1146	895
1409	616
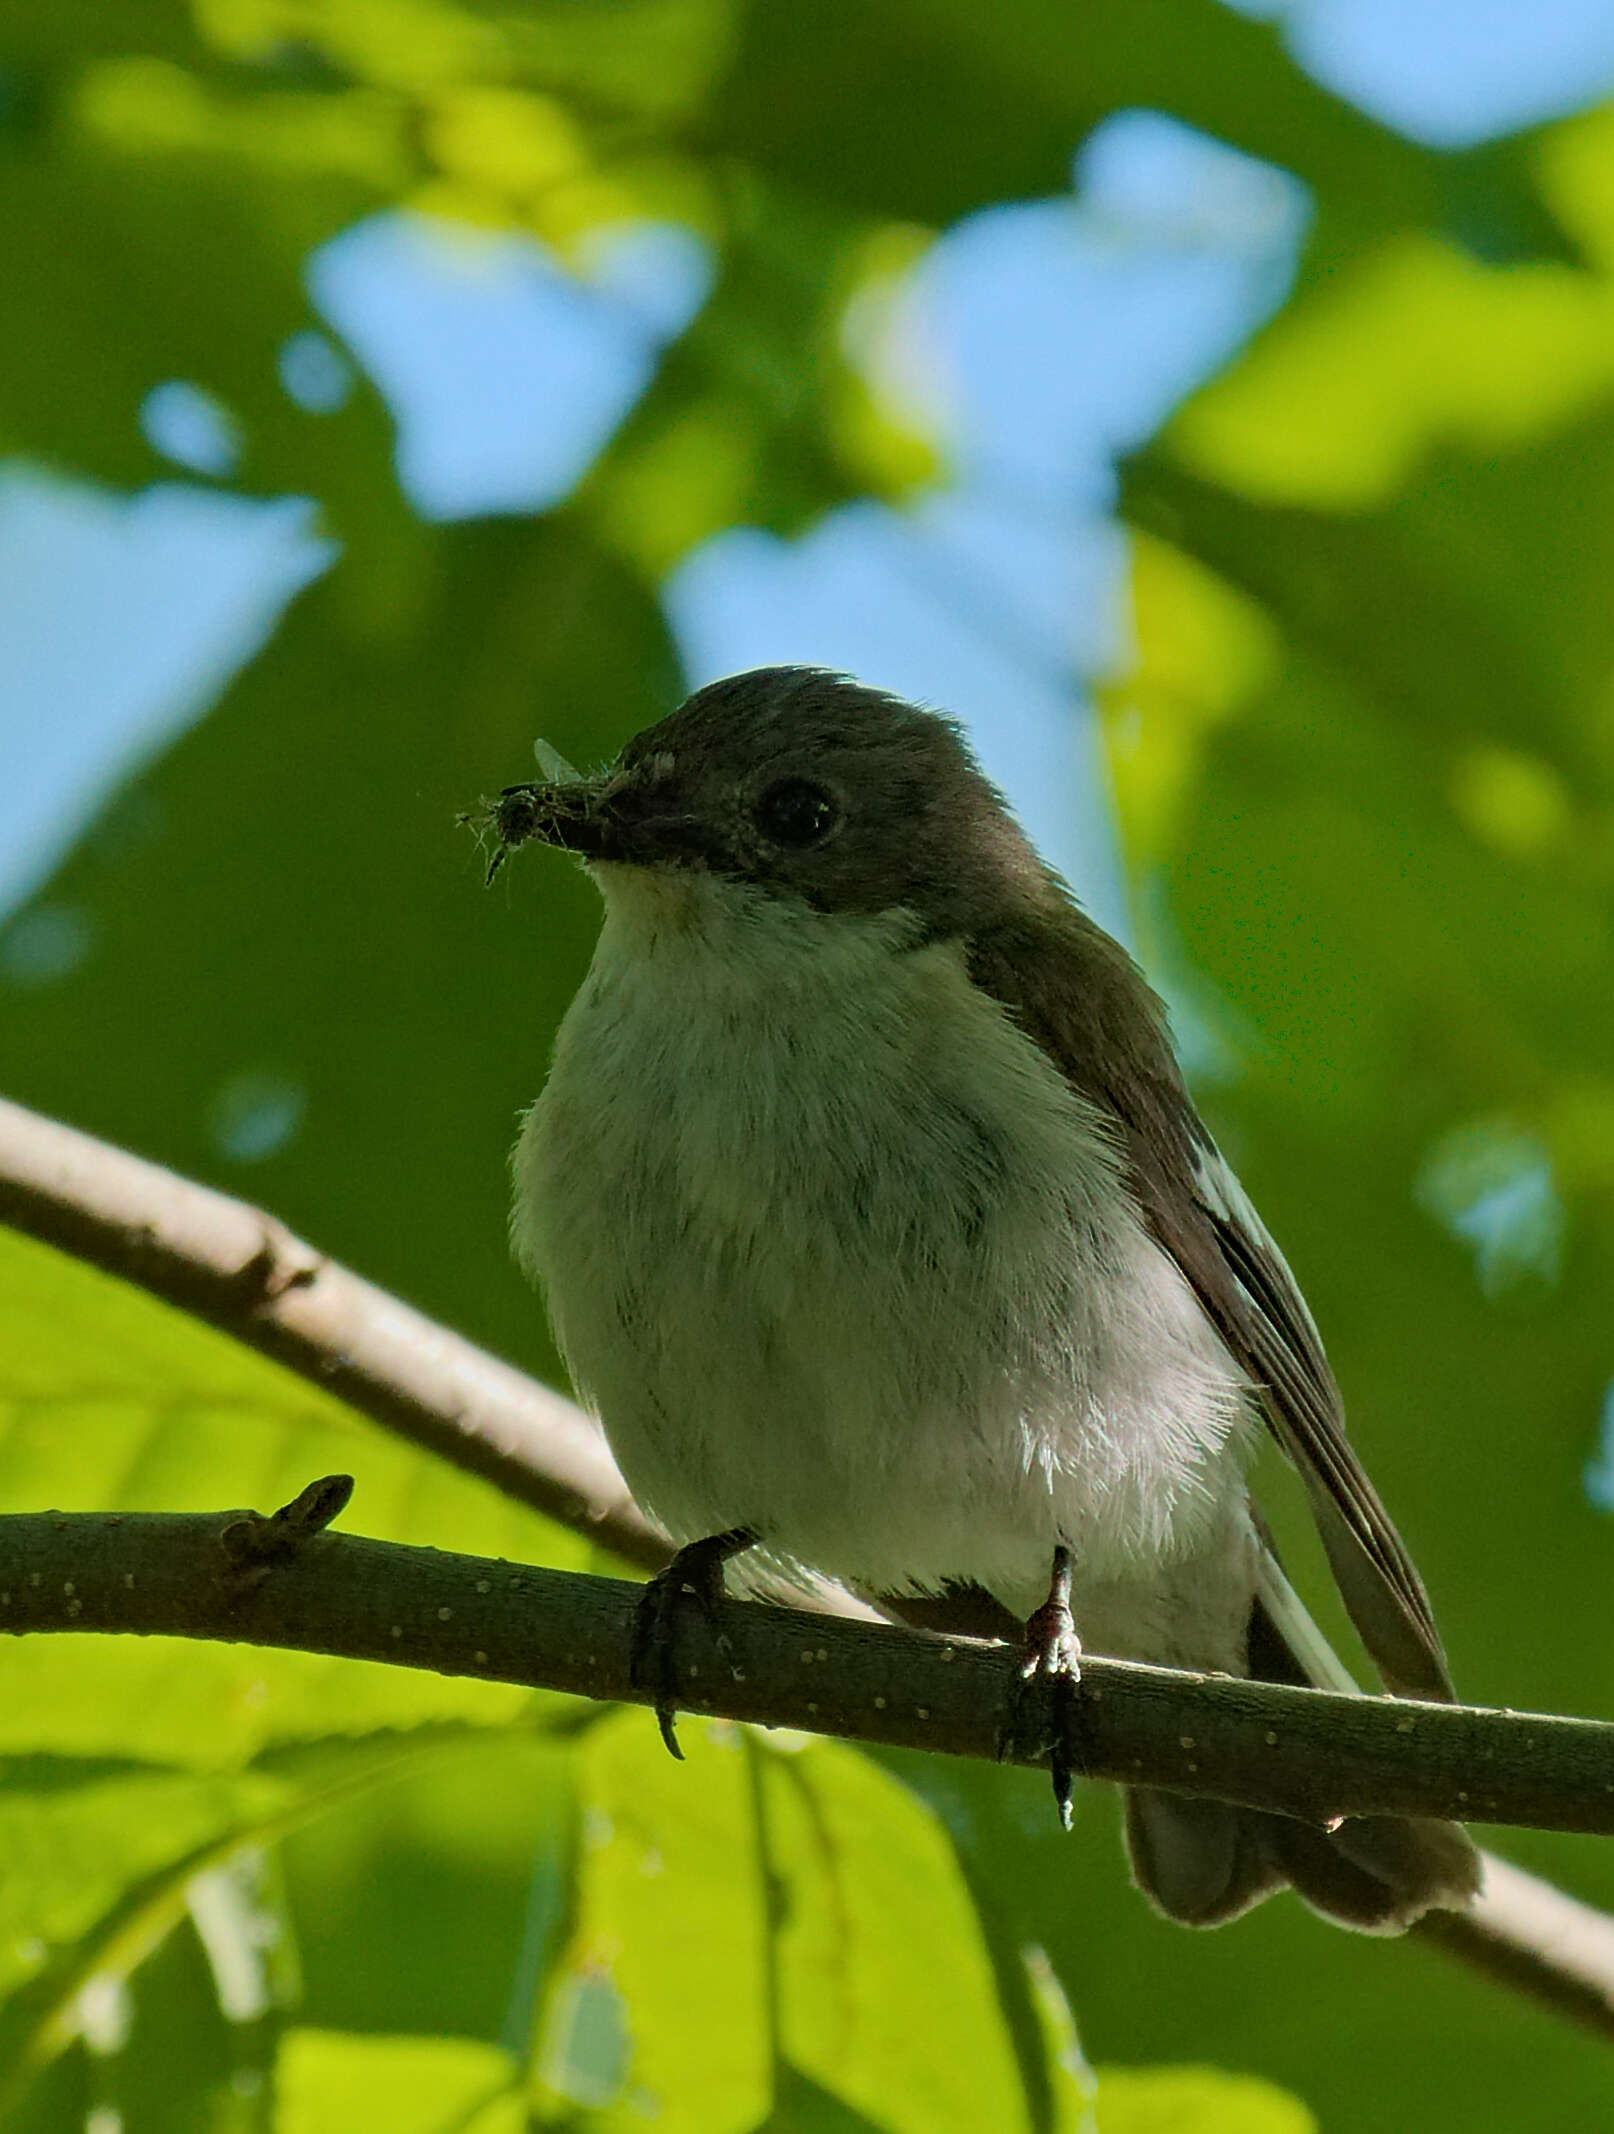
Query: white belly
835	1253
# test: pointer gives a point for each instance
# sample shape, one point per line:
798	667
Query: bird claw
694	1575
1053	1657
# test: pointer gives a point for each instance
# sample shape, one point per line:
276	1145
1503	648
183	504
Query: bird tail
1202	1862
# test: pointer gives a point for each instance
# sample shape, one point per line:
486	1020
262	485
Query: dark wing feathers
1079	996
1367	1554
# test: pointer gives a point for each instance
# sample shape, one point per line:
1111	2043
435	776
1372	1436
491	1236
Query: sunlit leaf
110	1400
100	1857
1195	2100
1418	348
760	1927
435	1902
329	2083
886	1995
670	2016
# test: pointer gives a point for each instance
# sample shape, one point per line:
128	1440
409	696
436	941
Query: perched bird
877	1226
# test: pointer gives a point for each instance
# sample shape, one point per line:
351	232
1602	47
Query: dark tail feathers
1202	1862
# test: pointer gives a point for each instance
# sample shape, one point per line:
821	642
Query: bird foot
1053	1659
694	1575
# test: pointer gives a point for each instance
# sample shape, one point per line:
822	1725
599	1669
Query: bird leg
1053	1655
695	1573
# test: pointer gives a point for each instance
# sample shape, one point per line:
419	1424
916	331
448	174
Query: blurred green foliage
1364	756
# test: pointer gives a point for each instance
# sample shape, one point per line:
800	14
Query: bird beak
618	817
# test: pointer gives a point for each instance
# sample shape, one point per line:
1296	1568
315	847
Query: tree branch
248	1275
243	1272
241	1578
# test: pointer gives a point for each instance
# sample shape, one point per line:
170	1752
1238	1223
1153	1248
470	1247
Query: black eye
796	812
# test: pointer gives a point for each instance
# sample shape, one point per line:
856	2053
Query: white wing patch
1217	1188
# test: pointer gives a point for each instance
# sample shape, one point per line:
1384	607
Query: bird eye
796	812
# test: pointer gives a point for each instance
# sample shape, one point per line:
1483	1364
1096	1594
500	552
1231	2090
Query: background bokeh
1215	406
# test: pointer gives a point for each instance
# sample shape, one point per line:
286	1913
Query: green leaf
434	1903
886	1990
111	1400
764	1930
956	108
749	418
329	2082
172	235
98	1859
1195	2100
318	803
671	1920
130	1766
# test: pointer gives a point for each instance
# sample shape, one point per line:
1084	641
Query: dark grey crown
813	785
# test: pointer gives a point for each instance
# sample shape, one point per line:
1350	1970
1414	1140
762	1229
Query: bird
879	1229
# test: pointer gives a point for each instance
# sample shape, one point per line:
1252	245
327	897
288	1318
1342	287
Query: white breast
835	1252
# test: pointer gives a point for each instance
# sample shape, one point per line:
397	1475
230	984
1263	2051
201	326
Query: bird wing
1078	995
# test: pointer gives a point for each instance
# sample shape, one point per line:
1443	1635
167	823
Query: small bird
878	1228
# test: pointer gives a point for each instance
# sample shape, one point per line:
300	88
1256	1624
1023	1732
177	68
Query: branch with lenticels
284	1581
